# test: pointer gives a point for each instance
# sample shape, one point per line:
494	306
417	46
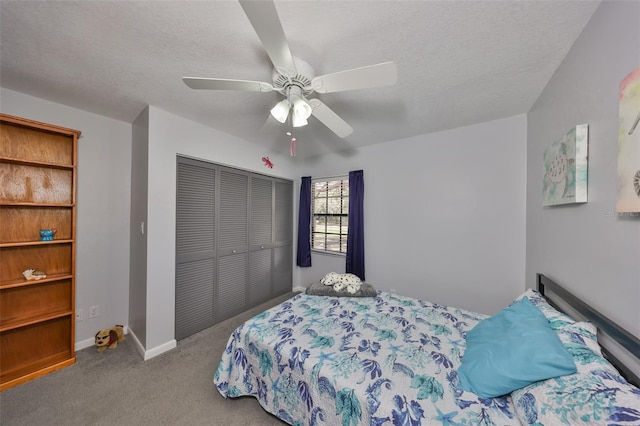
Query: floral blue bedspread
386	360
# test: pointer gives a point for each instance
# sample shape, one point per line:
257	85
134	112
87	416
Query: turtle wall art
564	178
629	144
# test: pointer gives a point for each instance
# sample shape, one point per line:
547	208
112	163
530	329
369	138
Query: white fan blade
265	21
329	118
384	74
227	84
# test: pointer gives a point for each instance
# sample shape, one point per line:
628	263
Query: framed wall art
565	168
629	144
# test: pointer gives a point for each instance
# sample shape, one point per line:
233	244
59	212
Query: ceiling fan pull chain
292	147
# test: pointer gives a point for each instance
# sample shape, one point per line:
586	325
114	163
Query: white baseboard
299	288
148	354
83	344
158	350
137	343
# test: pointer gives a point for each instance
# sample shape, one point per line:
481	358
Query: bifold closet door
261	239
233	241
283	238
195	246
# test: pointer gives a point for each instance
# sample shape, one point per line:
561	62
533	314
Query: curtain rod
339	177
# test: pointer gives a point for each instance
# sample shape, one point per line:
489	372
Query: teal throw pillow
512	349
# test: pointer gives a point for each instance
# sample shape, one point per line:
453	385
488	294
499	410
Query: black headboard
605	326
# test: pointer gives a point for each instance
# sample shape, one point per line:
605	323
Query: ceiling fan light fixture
298	120
301	109
281	110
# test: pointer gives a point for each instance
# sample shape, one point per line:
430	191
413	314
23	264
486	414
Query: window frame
343	216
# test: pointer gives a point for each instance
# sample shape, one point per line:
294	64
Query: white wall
588	248
444	214
104	170
138	247
170	135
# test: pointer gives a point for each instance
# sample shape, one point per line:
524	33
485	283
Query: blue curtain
304	223
355	233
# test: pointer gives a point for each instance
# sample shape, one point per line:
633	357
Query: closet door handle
261	247
234	251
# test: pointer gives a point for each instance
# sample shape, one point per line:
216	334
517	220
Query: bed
389	359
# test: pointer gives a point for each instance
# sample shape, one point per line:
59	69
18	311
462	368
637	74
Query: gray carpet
116	387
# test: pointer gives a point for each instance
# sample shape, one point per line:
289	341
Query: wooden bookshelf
38	181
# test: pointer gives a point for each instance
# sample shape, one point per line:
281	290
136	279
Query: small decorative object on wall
267	162
565	169
629	144
47	234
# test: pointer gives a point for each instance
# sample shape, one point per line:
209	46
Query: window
330	207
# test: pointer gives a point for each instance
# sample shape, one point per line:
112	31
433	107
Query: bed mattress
358	361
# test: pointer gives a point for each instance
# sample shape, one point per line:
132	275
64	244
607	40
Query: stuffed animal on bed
349	282
109	338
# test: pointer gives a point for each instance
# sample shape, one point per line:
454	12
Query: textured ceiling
459	62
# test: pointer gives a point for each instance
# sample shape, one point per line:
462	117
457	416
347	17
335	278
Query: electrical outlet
392	290
80	314
93	311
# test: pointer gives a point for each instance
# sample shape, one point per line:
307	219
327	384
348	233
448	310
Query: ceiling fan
294	78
